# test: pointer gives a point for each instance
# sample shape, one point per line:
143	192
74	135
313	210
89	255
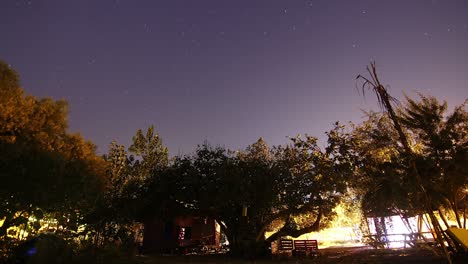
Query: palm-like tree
385	100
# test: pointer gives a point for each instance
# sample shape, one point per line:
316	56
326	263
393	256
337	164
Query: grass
327	256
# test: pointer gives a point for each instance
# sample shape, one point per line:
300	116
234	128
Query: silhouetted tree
124	201
248	191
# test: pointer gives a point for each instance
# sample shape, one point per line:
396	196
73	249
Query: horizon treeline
53	180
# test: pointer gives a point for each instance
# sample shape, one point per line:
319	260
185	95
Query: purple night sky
229	71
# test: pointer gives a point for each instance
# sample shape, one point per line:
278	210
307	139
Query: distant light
31	251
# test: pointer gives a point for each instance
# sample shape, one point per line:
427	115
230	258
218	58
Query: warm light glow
344	231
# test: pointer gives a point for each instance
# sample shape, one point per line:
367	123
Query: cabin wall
159	236
188	231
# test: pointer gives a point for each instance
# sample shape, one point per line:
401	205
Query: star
147	27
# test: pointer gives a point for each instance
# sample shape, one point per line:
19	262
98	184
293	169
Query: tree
438	141
123	203
43	168
248	191
385	100
381	175
151	154
441	156
316	183
12	99
381	180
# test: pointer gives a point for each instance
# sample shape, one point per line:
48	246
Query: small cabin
181	234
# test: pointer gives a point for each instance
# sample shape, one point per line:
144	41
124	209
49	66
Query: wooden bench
305	247
286	244
283	248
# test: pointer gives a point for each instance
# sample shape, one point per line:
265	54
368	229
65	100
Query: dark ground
329	255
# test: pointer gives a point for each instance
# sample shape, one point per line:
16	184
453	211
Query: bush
110	253
7	244
45	248
52	249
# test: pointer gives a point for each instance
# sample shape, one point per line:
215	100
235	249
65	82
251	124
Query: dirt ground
329	255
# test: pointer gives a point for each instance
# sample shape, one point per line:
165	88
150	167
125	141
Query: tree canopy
409	160
43	168
259	189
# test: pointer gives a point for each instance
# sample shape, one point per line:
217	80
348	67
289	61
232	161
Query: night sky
229	71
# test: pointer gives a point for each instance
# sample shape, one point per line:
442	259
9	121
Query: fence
400	240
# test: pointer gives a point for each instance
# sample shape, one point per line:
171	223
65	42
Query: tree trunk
454	206
405	220
6	224
380	233
420	222
287	231
464	211
442	216
245	242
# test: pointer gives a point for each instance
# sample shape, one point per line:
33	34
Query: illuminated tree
438	141
43	168
381	181
441	153
372	83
